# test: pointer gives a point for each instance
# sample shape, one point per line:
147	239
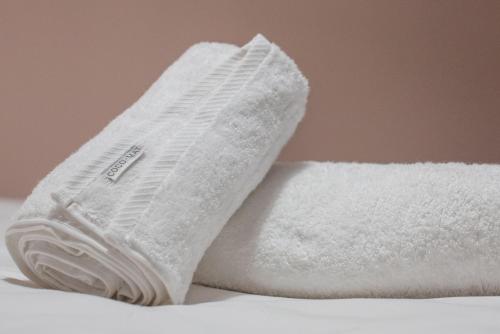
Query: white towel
131	213
328	230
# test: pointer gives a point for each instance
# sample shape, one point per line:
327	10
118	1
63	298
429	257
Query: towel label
127	159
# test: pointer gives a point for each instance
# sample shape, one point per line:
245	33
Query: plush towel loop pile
131	213
337	230
162	196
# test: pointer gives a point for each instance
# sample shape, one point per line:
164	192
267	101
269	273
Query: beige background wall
392	81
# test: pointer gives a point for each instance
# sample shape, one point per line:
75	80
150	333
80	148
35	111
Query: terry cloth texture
131	213
324	230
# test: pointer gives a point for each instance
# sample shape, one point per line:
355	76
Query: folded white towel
363	230
131	213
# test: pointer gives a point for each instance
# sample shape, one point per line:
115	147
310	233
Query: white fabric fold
330	230
131	213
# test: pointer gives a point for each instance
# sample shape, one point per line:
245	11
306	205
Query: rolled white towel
131	213
328	230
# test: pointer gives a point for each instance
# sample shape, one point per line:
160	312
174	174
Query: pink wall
391	80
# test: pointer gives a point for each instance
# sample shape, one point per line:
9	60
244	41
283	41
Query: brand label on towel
127	159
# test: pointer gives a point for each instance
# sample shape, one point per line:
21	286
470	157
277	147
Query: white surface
27	309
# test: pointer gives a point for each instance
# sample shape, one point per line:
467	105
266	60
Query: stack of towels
181	188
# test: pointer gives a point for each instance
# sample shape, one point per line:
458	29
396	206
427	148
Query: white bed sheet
24	308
